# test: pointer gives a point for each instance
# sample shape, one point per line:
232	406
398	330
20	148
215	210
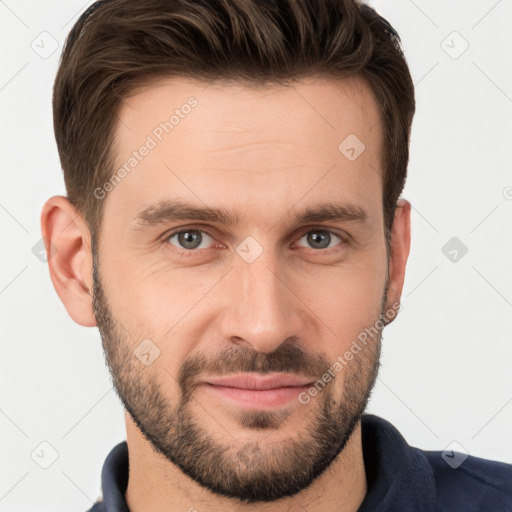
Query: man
234	228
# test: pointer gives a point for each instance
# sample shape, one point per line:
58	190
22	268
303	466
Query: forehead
227	144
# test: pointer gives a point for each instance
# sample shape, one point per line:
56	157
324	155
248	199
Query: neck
157	485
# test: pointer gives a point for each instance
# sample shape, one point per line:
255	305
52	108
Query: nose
261	310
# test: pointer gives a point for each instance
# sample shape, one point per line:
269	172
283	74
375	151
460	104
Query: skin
266	154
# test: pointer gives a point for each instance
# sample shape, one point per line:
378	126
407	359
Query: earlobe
67	240
400	248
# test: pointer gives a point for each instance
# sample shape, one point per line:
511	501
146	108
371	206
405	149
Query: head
233	174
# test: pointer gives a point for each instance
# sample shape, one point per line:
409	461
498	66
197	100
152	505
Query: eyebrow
168	211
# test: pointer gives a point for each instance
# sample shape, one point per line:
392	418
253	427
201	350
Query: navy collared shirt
400	478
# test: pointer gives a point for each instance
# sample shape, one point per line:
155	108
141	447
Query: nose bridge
261	311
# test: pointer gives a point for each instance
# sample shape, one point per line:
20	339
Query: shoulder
470	483
409	478
98	506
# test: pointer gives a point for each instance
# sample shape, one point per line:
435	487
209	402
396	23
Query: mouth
257	391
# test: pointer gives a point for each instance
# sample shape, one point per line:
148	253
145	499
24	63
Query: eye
189	239
322	239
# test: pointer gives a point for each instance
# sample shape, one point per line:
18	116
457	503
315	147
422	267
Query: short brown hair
118	45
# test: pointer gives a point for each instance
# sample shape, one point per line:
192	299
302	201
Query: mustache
287	358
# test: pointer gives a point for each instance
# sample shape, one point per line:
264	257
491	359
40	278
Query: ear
68	249
400	247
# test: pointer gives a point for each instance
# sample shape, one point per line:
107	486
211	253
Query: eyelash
195	252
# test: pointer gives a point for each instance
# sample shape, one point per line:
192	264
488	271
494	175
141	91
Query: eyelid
342	234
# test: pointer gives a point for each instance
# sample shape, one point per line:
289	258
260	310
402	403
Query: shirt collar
399	477
114	480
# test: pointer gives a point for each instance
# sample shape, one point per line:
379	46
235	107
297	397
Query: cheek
347	300
146	298
155	307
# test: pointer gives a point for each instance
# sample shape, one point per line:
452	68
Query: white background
446	361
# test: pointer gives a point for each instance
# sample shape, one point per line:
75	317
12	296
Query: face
244	242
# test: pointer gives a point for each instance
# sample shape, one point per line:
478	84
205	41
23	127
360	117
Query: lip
257	391
259	382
